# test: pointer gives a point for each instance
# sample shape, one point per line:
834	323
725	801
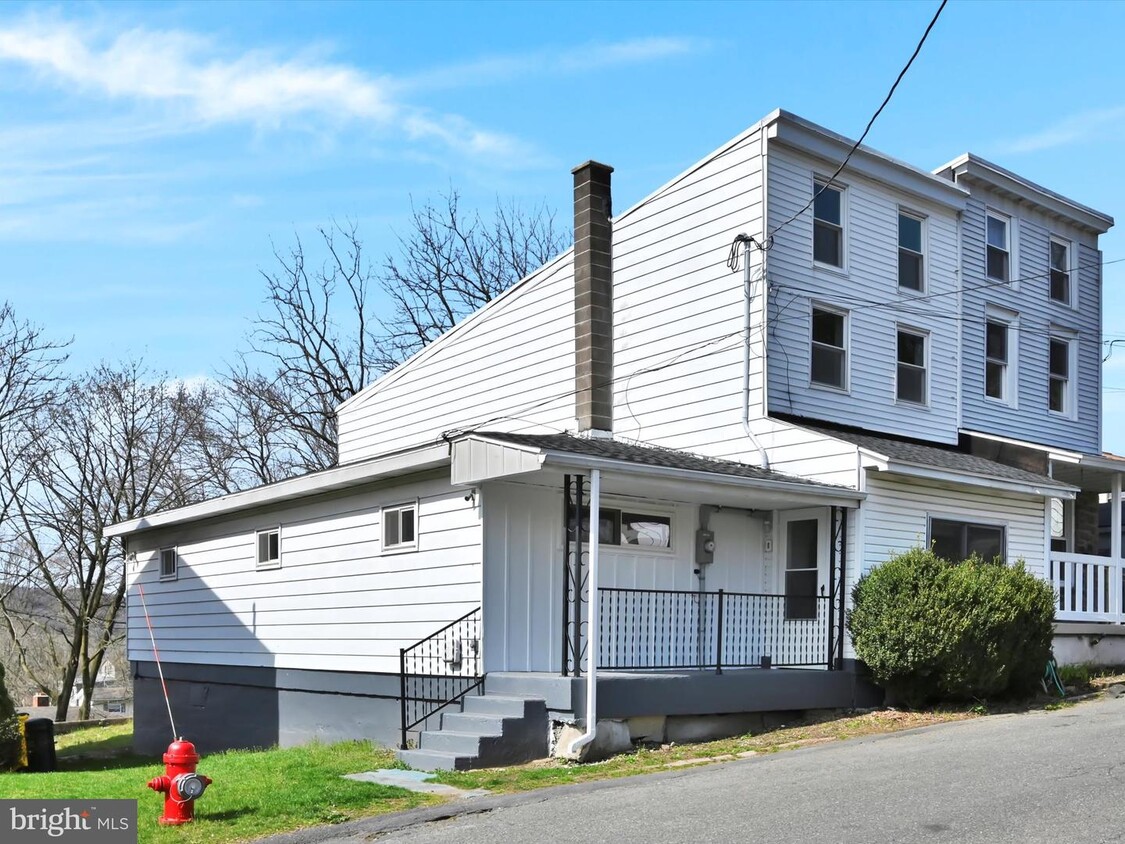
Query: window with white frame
400	527
956	541
998	247
169	564
269	549
911	265
1060	398
1060	270
829	362
625	527
910	380
828	224
998	379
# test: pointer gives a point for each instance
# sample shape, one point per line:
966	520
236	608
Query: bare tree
118	444
321	339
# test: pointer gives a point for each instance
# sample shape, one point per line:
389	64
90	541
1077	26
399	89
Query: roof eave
1048	488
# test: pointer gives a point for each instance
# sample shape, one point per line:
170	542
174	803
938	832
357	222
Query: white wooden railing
1087	588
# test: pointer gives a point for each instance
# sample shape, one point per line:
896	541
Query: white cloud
1085	126
190	75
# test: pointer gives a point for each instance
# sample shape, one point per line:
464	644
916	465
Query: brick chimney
593	298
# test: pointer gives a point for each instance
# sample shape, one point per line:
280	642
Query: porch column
1115	544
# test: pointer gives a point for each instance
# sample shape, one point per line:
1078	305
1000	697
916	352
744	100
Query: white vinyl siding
511	363
338	604
1029	418
873	211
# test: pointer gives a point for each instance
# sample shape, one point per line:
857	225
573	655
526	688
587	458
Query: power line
870	123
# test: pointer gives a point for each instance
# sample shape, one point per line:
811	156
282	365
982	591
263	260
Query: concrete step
435	760
475	722
558	693
453	741
512	707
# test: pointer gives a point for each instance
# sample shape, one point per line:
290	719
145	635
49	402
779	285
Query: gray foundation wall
222	707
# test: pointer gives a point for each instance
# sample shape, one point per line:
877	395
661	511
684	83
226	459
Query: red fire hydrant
181	784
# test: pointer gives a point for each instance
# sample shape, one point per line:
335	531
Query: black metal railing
439	670
657	628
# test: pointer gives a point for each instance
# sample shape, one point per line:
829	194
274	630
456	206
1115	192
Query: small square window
399	527
910	258
828	224
829	351
998	250
1060	271
269	549
169	564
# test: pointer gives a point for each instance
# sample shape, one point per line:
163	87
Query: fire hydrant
181	785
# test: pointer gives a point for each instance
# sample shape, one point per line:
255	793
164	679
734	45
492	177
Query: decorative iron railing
439	670
655	628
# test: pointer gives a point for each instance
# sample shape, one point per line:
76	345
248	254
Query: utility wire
870	123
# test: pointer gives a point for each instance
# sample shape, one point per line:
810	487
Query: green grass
255	792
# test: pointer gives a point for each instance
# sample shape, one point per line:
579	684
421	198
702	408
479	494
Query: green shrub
9	729
934	630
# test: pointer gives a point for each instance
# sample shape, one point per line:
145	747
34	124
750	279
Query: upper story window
169	564
828	224
910	260
269	549
1060	270
910	380
1060	395
400	527
997	369
829	348
999	258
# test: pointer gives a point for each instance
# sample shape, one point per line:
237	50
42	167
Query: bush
9	729
934	630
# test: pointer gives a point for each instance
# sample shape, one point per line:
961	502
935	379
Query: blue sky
151	154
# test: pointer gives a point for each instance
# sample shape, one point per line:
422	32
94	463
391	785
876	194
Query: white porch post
1115	544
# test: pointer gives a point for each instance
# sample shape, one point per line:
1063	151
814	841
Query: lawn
255	792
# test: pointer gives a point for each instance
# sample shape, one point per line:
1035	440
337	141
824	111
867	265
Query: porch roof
642	468
913	458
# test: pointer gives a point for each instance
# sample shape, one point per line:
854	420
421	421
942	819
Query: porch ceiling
636	470
1090	472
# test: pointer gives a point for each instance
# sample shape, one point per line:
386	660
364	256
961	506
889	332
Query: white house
758	382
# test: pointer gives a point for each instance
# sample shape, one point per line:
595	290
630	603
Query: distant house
890	358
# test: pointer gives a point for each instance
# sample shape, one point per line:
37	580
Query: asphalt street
1038	777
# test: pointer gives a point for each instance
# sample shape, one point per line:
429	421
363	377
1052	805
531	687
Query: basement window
625	528
169	564
400	531
269	549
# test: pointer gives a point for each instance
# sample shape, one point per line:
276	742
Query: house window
269	549
1059	398
996	359
801	569
399	527
829	348
957	541
169	564
625	528
910	261
828	224
999	264
1060	270
911	374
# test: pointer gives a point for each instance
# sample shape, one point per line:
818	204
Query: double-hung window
911	265
400	530
910	380
998	247
1060	386
956	541
1060	271
997	356
829	366
828	224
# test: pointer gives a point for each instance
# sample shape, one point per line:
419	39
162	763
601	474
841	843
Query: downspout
747	242
592	634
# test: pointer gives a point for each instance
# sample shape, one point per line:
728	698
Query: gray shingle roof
645	455
931	455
